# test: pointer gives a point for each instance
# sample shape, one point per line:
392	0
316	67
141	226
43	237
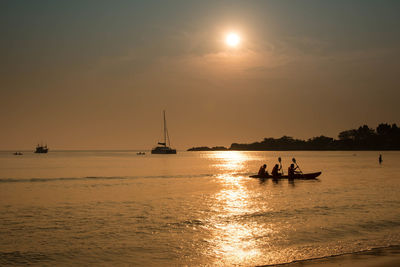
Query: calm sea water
193	208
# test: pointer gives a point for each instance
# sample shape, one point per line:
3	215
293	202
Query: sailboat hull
163	150
41	149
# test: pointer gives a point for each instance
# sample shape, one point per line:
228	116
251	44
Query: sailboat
163	147
41	149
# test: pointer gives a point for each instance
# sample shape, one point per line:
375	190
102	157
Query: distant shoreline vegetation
206	148
384	137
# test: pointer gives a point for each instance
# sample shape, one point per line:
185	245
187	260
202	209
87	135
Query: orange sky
97	75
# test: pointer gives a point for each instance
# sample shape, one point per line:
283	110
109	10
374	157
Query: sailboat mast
165	130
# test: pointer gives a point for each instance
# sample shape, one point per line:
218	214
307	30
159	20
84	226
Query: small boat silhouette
41	149
164	148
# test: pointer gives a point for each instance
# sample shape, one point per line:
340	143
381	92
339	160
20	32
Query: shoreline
268	150
375	257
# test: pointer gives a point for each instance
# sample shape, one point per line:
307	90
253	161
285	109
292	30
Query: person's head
276	165
265	165
292	165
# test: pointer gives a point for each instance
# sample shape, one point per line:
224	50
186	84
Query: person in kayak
275	171
292	171
262	171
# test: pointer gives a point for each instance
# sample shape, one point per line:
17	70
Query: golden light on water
233	239
239	231
233	161
236	244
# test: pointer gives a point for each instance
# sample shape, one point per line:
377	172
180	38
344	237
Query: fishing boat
164	147
298	176
41	149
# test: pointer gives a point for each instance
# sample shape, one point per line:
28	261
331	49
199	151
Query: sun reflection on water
235	237
229	160
241	230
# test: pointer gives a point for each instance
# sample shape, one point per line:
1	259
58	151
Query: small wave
55	179
36	180
22	258
379	225
186	223
287	212
376	251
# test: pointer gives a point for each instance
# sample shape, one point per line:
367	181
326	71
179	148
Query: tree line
384	137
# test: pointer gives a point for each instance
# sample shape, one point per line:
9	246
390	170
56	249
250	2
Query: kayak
298	176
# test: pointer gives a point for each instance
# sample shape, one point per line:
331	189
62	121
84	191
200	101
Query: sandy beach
379	257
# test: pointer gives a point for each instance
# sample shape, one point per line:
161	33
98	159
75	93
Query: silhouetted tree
384	129
364	133
386	137
348	135
321	142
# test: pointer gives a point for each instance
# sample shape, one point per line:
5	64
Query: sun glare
232	39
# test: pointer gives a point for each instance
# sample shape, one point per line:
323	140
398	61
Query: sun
232	39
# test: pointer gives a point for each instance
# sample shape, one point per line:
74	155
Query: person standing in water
380	158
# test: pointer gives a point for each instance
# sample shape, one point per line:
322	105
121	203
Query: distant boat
141	153
163	147
18	153
41	149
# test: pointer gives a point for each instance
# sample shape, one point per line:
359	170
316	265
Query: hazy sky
97	74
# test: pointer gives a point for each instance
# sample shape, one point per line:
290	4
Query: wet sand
379	257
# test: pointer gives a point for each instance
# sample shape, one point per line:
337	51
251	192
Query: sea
194	208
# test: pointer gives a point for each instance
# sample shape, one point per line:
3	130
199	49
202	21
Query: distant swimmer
262	170
380	159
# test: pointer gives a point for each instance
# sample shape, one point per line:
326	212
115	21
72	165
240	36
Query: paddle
294	161
280	162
